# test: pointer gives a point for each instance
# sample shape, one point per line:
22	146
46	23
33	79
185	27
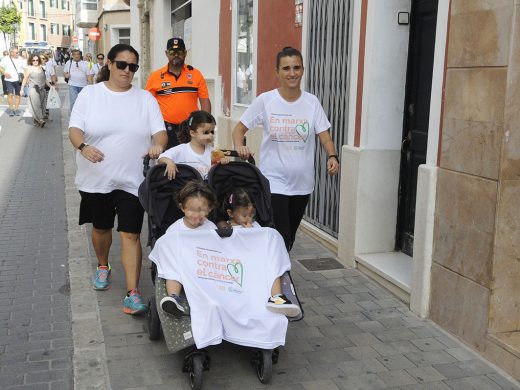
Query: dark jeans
172	129
288	212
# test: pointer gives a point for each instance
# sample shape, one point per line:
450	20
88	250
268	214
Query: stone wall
476	255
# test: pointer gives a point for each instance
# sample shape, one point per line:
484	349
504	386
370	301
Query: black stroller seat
157	196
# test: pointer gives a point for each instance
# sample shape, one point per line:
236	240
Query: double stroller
157	195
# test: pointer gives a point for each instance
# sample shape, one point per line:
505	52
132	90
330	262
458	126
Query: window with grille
124	35
43	12
55	28
244	52
181	11
32	31
89	4
43	32
327	78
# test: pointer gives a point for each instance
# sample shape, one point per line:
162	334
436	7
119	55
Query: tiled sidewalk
355	335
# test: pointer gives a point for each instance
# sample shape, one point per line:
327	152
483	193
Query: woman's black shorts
101	209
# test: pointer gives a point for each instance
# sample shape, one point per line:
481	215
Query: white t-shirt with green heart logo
227	282
289	139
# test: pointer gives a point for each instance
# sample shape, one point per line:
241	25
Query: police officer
178	89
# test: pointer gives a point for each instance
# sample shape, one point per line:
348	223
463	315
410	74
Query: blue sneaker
133	304
102	277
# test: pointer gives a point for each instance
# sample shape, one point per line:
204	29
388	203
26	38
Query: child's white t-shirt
121	126
181	225
288	140
184	154
227	282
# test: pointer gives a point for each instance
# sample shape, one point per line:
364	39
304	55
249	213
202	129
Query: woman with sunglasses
36	80
113	125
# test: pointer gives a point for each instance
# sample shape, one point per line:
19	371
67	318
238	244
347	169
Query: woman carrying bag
35	78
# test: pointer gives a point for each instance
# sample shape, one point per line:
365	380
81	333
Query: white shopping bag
27	113
53	99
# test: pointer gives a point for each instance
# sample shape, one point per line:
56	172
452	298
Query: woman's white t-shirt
184	154
120	125
288	141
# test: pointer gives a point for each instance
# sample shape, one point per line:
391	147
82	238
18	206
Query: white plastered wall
370	174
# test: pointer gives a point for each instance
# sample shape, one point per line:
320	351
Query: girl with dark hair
113	125
196	200
292	119
240	208
196	136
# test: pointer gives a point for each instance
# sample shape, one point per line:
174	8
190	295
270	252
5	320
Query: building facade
114	23
422	97
46	20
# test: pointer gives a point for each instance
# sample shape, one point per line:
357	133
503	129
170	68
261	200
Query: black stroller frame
157	194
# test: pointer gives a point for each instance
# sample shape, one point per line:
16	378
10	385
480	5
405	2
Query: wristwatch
81	146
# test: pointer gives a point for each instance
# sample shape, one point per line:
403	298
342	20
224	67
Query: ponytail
103	74
195	119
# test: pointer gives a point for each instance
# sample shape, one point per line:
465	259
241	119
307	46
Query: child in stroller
195	200
241	210
196	136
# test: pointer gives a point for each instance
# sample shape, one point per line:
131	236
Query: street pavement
35	331
355	334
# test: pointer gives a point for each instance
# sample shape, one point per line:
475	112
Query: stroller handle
146	165
230	153
234	153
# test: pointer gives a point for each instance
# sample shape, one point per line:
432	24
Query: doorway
416	117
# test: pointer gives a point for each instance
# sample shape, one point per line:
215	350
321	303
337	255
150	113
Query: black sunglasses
174	52
121	65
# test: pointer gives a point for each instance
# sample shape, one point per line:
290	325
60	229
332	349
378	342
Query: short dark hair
199	189
100	55
287	51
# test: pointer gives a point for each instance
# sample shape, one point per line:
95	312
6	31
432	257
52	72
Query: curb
89	356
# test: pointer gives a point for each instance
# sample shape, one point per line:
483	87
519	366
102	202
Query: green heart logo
303	131
236	270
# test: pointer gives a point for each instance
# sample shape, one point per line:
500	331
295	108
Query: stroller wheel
196	372
154	323
264	365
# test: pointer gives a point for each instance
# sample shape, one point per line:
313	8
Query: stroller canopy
224	178
157	196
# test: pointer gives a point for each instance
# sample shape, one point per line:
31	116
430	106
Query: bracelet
333	156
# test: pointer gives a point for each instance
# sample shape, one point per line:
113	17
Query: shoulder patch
190	67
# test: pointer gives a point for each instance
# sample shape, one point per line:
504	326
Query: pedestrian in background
35	79
5	54
291	120
113	125
98	65
50	75
12	67
178	88
79	75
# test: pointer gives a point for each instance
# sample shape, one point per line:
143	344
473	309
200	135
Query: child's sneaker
280	304
102	277
133	303
175	305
